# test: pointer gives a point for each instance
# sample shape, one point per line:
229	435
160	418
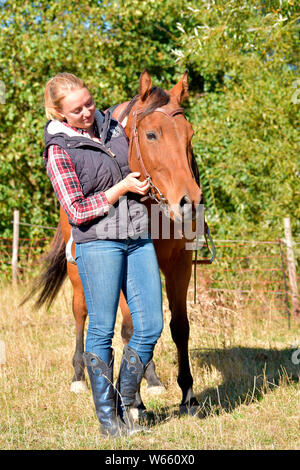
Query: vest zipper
111	153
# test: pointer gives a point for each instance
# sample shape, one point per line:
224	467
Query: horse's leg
177	275
80	313
127	326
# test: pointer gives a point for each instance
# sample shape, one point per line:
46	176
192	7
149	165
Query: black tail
53	274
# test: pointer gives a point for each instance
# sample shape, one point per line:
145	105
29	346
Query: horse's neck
124	122
119	111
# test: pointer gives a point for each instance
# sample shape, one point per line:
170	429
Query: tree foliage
246	123
242	62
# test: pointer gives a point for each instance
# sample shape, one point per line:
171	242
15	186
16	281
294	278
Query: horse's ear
181	89
145	85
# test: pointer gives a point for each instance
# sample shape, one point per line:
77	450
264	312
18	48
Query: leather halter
154	192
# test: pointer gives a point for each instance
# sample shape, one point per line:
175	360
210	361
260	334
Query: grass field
241	360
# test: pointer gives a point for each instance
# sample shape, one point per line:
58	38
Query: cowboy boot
101	378
128	383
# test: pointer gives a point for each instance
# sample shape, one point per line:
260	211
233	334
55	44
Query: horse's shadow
246	375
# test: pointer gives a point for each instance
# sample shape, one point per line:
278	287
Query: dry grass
241	362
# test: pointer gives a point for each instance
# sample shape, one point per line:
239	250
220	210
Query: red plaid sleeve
68	189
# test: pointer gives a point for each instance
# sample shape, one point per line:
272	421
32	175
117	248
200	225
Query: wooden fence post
285	285
14	261
291	266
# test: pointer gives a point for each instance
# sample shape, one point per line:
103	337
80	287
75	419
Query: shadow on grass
247	375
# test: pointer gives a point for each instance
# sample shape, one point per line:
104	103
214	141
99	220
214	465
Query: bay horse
160	149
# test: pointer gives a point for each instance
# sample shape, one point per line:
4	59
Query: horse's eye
151	135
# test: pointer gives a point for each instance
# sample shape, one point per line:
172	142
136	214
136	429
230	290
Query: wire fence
29	253
255	272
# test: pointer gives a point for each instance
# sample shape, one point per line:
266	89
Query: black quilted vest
99	167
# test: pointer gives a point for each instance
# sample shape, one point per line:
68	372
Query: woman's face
78	108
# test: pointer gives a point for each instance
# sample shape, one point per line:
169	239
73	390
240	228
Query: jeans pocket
77	251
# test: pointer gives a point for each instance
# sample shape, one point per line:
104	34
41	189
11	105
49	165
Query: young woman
86	157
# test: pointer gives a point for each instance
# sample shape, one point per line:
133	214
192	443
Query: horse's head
160	145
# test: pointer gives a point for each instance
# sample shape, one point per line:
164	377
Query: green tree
99	41
242	62
247	121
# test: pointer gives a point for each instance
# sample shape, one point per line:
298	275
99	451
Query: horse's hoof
138	414
156	389
79	386
134	413
189	410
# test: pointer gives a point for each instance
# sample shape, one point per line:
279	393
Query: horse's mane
158	98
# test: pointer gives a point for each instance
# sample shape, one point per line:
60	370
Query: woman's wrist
115	192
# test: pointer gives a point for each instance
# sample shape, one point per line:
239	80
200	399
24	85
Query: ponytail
57	88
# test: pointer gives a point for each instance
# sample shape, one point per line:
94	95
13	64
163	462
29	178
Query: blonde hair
57	88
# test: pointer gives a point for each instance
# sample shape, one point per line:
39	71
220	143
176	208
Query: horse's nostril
185	200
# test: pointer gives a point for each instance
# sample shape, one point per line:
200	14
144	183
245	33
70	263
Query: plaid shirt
67	187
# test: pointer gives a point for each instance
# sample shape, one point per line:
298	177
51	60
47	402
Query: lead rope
203	261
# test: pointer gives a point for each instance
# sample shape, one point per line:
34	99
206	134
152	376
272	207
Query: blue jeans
106	267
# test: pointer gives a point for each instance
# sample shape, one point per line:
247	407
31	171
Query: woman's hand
130	183
133	184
